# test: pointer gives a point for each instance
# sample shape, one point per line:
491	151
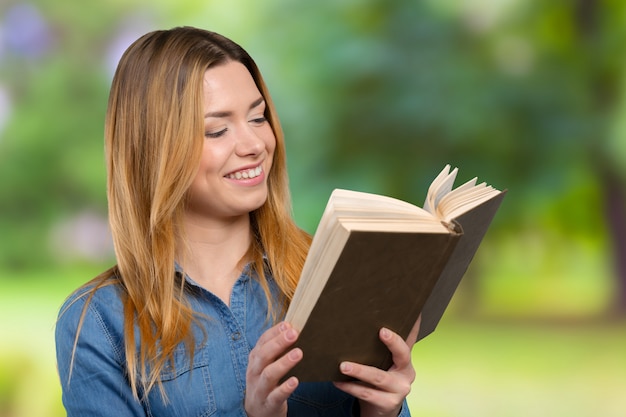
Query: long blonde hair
153	139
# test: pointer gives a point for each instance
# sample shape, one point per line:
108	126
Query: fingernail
385	333
291	335
282	327
295	354
345	367
292	382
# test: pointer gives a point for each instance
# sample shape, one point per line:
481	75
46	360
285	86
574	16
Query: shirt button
236	336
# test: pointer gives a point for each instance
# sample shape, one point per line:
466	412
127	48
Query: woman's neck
213	252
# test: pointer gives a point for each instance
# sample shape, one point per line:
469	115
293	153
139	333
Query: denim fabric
212	384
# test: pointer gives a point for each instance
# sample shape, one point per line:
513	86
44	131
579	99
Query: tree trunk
615	204
604	84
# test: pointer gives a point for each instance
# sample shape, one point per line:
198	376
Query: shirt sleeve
324	399
404	412
92	375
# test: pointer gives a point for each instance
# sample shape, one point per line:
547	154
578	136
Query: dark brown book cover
474	225
381	279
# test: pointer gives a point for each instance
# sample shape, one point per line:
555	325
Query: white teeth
246	174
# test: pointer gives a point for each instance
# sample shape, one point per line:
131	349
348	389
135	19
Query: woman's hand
266	366
381	393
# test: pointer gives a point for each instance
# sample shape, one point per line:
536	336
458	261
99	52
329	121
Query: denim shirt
212	384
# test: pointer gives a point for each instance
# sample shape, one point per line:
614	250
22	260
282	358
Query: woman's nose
249	142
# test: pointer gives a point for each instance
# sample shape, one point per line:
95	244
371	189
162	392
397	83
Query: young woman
188	321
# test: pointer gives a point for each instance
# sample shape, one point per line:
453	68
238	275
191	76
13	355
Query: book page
394	225
371	202
462	199
440	186
319	263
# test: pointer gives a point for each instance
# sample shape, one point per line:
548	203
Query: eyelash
259	120
214	135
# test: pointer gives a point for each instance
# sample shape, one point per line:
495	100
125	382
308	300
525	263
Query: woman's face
238	146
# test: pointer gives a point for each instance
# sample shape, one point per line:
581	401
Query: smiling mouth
245	174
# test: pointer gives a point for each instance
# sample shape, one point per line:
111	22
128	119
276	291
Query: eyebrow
254	104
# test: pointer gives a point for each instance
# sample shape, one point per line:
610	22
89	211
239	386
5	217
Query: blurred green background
374	95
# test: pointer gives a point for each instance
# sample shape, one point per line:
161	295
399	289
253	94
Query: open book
377	261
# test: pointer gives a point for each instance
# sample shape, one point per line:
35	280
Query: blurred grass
29	303
518	368
480	367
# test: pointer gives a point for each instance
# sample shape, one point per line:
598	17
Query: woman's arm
92	376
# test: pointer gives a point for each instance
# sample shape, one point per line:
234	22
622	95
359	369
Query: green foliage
51	150
396	89
374	95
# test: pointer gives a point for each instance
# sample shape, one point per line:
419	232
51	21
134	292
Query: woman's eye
259	120
215	134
